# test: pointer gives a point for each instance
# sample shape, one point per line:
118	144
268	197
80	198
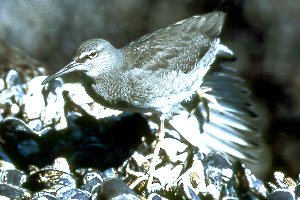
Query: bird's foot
206	98
203	95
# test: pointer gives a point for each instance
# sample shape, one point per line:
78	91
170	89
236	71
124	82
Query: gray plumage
154	73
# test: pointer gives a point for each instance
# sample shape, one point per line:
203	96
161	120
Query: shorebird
154	73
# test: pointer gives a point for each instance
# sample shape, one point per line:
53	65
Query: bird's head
94	57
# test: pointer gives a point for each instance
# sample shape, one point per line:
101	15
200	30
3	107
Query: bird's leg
156	151
204	97
200	95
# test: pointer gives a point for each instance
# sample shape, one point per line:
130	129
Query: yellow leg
205	99
202	93
156	151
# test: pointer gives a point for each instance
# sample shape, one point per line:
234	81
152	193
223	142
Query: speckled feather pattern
153	73
161	69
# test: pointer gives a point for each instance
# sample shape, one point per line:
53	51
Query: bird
154	73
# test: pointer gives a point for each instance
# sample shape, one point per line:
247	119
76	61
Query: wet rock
11	96
35	125
110	173
91	181
116	189
193	180
281	194
56	174
13	192
44	195
297	191
2	85
12	176
33	101
68	192
13	79
218	171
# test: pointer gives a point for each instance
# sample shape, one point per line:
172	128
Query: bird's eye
93	55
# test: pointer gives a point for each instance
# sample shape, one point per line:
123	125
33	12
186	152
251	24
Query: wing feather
178	47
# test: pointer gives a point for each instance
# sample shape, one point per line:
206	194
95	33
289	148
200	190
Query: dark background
263	34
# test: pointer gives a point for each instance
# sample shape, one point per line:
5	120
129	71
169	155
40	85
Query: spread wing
235	129
177	47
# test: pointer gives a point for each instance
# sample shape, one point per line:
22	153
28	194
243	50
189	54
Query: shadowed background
264	35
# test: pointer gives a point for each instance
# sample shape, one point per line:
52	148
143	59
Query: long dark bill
67	69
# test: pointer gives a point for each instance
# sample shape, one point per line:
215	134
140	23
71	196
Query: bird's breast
118	95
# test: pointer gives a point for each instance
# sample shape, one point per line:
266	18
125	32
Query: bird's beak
72	66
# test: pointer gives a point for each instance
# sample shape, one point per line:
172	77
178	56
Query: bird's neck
106	87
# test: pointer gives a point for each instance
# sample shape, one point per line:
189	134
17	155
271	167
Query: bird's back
177	47
168	65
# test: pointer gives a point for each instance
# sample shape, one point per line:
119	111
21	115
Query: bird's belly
119	102
152	97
